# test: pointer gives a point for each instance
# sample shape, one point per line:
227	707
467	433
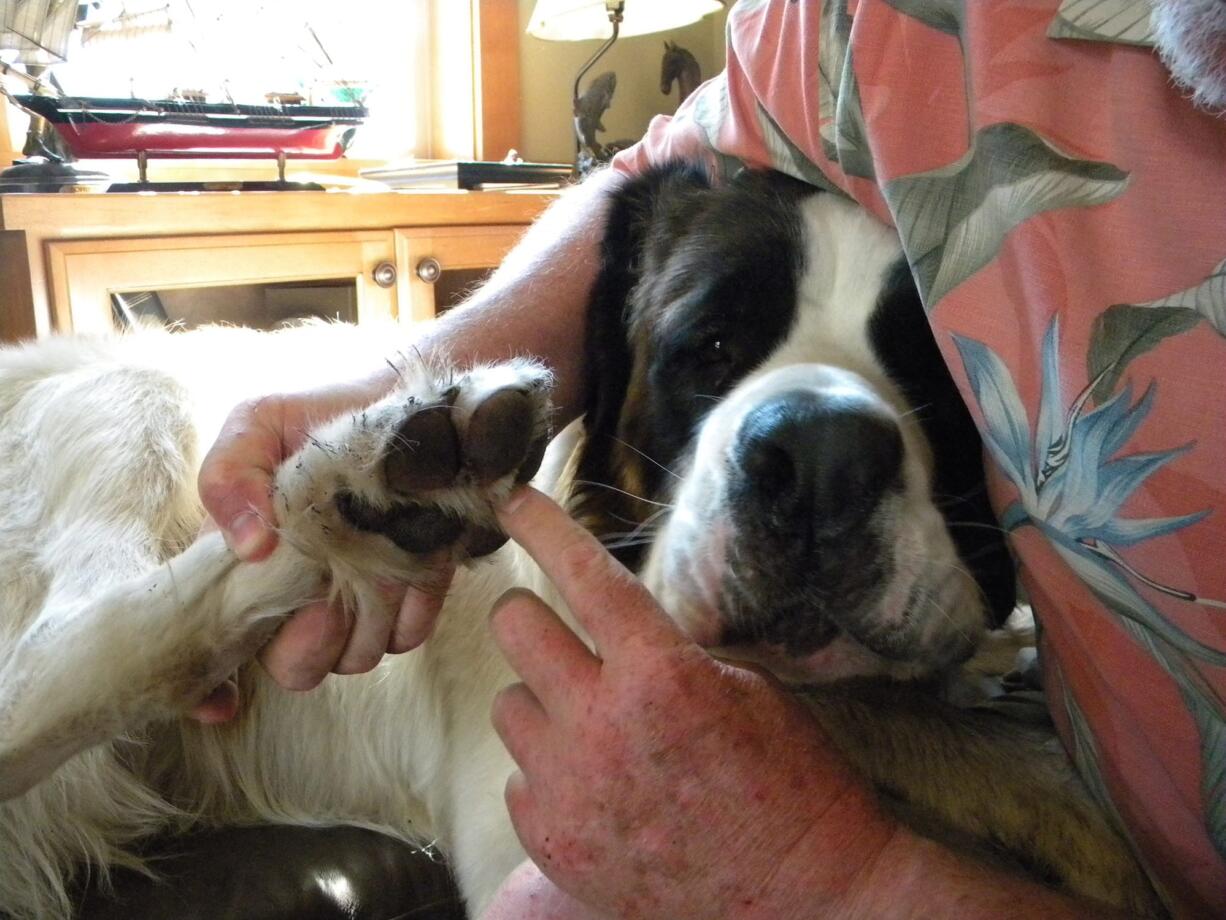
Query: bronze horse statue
680	66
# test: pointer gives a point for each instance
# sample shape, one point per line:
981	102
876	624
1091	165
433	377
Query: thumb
235	481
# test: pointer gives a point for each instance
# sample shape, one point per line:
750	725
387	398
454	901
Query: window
324	51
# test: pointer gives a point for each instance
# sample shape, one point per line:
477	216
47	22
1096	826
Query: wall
547	71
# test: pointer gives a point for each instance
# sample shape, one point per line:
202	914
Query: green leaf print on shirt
942	15
788	158
1119	21
710	111
1126	331
953	220
844	138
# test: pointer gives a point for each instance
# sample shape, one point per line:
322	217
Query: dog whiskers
650	460
637	498
641	535
972	641
974	525
915	411
978	554
954	565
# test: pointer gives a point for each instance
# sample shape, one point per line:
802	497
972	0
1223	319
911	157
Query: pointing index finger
605	598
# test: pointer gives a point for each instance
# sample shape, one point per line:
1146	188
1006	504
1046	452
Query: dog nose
820	460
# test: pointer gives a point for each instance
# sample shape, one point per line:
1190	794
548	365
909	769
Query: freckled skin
657	781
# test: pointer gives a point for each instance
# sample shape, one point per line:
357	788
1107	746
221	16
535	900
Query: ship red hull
100	140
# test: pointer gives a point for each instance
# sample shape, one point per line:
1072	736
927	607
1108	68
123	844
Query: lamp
580	20
584	20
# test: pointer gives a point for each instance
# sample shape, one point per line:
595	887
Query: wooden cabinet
438	265
394	254
85	273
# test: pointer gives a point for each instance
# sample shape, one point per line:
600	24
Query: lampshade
579	20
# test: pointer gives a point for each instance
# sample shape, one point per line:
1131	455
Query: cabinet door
439	266
358	265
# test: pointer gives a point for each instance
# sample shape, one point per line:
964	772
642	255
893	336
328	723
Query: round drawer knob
429	270
384	274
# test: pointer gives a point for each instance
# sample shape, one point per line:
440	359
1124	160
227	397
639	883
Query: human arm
533	305
657	781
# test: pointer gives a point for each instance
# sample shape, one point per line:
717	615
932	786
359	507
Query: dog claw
425	453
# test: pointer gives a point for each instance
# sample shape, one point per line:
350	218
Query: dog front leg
90	668
974	777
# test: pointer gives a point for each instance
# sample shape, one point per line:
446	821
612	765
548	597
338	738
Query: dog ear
640	215
766	182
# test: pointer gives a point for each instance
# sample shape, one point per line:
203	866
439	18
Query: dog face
767	398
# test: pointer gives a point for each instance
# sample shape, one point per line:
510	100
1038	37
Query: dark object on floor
282	873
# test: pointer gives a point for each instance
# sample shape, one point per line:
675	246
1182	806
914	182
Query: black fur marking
714	272
903	342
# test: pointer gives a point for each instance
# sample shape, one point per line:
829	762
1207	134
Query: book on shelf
469	174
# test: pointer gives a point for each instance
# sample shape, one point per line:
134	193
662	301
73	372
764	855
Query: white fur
1190	35
108	635
114	623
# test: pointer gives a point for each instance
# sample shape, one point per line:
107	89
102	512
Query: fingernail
507	596
516	498
247	534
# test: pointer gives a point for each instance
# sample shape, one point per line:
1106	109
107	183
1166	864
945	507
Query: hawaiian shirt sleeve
1061	205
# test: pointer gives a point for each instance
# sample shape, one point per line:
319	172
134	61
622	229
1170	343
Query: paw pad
425	452
499	438
443	457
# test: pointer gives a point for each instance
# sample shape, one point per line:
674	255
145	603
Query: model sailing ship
185	123
95	127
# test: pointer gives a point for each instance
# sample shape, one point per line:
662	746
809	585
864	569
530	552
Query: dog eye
714	352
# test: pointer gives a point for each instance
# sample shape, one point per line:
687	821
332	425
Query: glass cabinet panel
249	279
261	306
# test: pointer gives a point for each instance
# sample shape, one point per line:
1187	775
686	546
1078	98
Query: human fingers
306	646
370	635
527	892
521	806
605	598
420	609
521	723
542	650
236	477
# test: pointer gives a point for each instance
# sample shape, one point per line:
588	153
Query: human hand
527	893
654	780
235	484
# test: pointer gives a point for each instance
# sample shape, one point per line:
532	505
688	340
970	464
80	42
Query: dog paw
419	472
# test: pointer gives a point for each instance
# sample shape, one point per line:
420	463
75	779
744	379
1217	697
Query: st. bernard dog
770	438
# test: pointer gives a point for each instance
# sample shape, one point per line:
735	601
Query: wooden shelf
38	232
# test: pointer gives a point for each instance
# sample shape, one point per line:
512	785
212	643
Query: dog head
772	437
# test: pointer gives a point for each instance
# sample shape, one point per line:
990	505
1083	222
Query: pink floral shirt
1063	208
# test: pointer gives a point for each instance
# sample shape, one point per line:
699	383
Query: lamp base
587	161
38	174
